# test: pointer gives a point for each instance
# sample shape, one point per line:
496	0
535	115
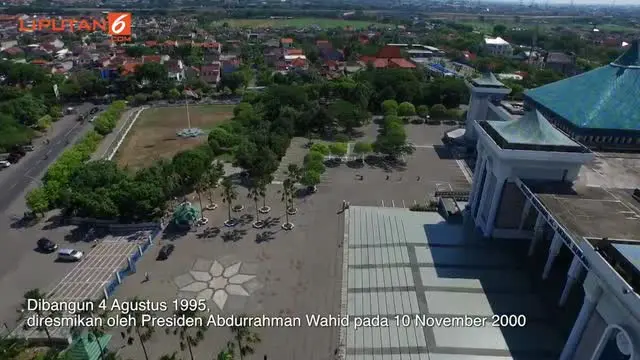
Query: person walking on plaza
146	276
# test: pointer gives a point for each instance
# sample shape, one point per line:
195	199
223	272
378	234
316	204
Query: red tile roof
151	59
286	40
129	68
39	62
295	52
211	45
367	59
299	62
150	43
389	52
401	63
380	63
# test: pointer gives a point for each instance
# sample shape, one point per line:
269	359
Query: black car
46	245
94	110
165	251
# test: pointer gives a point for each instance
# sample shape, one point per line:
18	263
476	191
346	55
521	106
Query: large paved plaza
292	273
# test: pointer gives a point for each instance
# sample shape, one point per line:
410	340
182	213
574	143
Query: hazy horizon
579	2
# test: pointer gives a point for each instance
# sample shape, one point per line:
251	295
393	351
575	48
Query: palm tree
37	295
245	339
287	199
98	330
229	194
294	175
144	332
257	190
201	186
212	177
228	353
189	336
264	182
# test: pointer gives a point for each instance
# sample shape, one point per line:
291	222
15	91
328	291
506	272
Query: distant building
498	47
564	63
286	42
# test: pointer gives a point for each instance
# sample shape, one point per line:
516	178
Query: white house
498	47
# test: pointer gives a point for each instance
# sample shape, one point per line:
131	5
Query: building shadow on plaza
468	264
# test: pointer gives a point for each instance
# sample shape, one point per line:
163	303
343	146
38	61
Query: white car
69	255
4	164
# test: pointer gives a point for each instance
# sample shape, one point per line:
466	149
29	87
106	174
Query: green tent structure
185	215
85	347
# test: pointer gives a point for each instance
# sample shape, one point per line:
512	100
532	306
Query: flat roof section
631	252
404	265
591	211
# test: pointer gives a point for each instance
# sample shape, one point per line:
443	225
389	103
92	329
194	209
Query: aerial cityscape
306	180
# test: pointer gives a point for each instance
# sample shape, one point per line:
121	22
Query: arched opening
615	344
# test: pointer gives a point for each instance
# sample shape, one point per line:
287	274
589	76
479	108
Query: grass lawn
296	22
154	135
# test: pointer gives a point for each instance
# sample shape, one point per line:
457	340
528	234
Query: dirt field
154	135
296	22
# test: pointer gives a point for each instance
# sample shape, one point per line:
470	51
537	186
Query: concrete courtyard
294	273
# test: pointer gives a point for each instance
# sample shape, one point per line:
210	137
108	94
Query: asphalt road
14	180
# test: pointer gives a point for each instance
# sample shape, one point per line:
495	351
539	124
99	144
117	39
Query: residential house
13	52
389	56
175	70
286	43
212	47
299	63
564	63
329	53
150	43
498	47
272	55
211	73
8	44
322	44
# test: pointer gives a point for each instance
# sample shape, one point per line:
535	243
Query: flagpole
186	103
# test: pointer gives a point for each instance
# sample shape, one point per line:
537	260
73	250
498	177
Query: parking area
90	277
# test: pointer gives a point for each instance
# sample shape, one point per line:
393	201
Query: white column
480	165
537	233
588	306
482	194
525	213
554	250
575	270
495	203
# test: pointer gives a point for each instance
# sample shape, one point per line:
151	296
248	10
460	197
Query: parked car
4	164
28	148
94	110
14	157
69	255
165	251
46	245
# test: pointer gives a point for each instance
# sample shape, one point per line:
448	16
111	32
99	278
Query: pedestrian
265	357
418	178
146	276
387	177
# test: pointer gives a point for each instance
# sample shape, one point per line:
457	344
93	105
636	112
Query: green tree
499	30
423	111
406	109
11	348
173	94
389	107
38	200
229	194
321	148
338	149
156	95
212	177
39	296
143	331
362	149
190	336
438	111
392	141
310	178
315	166
257	190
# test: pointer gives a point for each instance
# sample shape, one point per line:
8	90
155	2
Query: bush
156	95
223	138
315	166
321	148
422	207
313	156
44	122
106	121
438	111
406	109
423	111
338	149
141	98
389	106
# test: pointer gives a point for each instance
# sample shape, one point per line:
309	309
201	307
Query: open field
296	22
154	135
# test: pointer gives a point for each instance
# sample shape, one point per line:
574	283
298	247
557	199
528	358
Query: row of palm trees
257	190
241	345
